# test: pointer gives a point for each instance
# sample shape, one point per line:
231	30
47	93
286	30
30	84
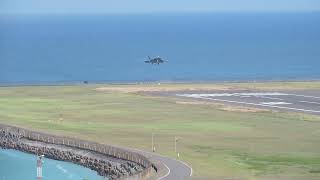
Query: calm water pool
15	165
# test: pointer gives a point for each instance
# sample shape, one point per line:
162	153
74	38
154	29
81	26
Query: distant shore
86	82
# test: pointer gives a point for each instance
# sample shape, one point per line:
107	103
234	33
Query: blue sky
149	6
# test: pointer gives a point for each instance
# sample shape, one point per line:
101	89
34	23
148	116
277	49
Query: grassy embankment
215	142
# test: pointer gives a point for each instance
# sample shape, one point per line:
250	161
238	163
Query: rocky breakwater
105	166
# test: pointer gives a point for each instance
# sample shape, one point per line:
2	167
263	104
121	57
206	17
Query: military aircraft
157	60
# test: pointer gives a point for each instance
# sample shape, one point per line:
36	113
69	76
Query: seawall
108	161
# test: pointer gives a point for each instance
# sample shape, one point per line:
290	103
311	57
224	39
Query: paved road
175	170
298	101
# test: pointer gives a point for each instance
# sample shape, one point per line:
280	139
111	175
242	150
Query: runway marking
263	95
299	95
235	94
275	103
257	96
270	98
264	105
167	173
309	102
240	95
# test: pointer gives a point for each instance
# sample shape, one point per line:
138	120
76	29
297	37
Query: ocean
15	165
199	47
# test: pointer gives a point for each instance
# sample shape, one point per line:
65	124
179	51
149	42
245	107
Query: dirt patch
198	103
243	109
139	89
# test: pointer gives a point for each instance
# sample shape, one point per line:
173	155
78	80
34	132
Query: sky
150	6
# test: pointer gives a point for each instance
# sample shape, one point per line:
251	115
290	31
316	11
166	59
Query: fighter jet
157	60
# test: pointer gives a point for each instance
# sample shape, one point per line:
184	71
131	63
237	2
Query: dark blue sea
199	47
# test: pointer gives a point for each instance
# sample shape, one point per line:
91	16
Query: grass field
217	143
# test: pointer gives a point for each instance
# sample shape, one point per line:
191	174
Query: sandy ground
141	89
169	87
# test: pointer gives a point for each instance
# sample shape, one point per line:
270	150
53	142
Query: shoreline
79	83
106	166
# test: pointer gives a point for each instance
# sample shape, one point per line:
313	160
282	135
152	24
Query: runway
297	101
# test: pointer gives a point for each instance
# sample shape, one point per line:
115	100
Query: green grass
216	143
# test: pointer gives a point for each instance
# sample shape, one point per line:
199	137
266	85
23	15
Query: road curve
176	170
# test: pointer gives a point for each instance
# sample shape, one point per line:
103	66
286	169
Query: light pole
175	145
152	143
39	167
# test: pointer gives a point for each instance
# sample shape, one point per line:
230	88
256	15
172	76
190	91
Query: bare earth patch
137	89
243	109
167	87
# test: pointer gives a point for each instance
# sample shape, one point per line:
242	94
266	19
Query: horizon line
153	13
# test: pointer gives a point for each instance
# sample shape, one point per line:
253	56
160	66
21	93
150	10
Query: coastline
152	82
106	166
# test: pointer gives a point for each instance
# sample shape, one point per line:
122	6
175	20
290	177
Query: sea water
15	165
199	47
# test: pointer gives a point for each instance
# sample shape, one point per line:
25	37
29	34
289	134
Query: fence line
87	145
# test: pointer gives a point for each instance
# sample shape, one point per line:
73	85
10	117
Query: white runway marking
167	173
273	98
235	94
264	105
264	94
299	95
310	102
275	103
242	96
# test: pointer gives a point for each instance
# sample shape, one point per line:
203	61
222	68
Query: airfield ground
304	101
219	141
